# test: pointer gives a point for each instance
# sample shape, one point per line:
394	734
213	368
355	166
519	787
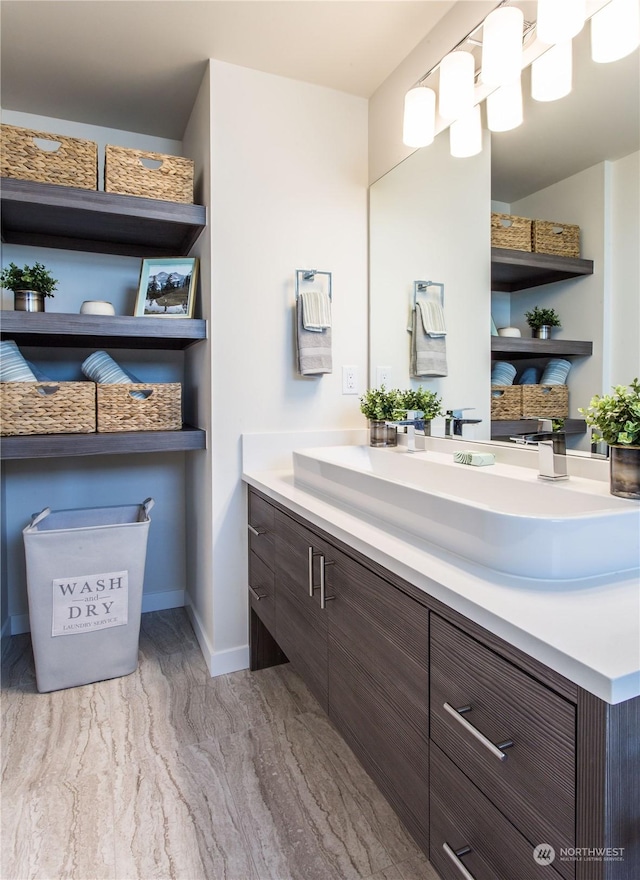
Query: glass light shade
615	31
560	20
465	134
457	74
502	46
504	107
419	117
551	73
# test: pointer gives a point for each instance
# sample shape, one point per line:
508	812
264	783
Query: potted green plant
616	419
31	285
541	321
427	403
381	406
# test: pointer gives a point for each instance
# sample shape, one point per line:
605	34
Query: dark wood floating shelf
529	426
97	331
61	445
518	348
47	215
519	270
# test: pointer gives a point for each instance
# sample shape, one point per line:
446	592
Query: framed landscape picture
167	287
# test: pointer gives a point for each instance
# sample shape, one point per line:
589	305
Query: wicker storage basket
73	163
561	239
545	401
47	408
506	402
161	410
509	231
126	173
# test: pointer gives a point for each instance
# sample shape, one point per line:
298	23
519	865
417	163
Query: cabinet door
378	685
301	623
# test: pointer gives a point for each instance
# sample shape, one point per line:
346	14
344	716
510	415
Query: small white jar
509	331
97	307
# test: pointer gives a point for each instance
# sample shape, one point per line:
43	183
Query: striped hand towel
316	310
13	367
432	316
100	367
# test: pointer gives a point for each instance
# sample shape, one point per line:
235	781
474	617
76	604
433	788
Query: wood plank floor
168	773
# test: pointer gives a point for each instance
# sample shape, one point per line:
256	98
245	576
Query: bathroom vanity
484	751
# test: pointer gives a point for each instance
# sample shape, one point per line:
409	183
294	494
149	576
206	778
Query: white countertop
586	629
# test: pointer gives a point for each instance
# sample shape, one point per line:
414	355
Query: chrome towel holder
309	275
422	286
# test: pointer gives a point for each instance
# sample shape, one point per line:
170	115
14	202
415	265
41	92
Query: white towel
432	315
316	310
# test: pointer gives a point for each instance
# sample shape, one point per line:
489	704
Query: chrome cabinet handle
256	532
455	855
256	594
323	595
494	749
312	588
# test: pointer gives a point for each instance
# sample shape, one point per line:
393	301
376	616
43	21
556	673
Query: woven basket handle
48	390
47	146
558	230
505	222
135	395
150	164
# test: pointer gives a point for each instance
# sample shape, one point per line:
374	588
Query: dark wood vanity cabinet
483	752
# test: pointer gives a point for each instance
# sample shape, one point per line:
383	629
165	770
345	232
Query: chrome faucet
410	425
552	450
456	419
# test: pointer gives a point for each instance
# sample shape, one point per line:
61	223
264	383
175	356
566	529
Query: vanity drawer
531	781
262	591
462	818
261	528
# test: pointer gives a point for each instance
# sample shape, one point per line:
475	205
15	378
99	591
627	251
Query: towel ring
422	286
309	275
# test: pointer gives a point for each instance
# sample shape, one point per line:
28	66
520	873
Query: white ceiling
137	65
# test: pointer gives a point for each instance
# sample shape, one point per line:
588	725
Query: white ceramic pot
509	331
97	307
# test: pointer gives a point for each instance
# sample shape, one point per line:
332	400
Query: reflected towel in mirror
428	356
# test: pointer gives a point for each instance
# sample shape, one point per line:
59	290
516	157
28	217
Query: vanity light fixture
615	31
560	20
419	117
457	84
465	134
502	46
504	107
552	73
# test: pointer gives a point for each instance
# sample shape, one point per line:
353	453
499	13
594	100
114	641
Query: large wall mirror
575	160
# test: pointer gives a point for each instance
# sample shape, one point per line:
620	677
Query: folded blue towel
502	373
530	376
13	367
100	367
556	372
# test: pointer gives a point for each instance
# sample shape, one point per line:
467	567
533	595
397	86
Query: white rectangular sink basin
500	516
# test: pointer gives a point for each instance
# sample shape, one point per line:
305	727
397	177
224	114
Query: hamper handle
46	145
558	230
48	390
38	517
150	164
135	395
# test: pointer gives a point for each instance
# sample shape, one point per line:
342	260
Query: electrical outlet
350	383
383	377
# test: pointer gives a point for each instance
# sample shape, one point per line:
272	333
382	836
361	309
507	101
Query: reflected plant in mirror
424	401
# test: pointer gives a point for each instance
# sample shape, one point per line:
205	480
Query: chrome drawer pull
256	532
256	594
455	858
494	749
312	589
323	596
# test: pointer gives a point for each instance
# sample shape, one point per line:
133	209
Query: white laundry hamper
85	573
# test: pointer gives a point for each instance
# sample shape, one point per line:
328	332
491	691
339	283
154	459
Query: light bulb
457	73
504	107
465	134
502	46
551	73
560	20
615	31
419	117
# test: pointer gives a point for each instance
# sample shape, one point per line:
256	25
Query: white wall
625	272
31	485
288	191
429	220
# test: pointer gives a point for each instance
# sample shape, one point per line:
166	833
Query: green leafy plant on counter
616	417
424	401
379	405
36	277
538	317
